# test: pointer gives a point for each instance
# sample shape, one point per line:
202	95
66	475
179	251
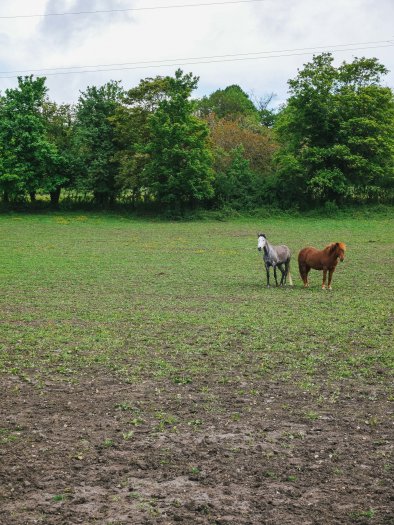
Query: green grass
180	301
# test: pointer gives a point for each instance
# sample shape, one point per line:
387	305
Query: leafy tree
148	94
95	141
231	103
27	154
336	132
258	144
132	131
178	172
242	161
59	123
236	184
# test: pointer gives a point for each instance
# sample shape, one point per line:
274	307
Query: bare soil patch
106	452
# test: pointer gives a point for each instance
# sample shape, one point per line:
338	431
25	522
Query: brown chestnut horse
325	260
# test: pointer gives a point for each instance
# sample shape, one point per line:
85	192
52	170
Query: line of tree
154	145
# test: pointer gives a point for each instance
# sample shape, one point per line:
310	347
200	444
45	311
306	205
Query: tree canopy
179	169
28	157
95	140
336	131
231	102
153	144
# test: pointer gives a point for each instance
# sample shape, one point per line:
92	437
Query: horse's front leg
330	272
276	280
323	286
267	269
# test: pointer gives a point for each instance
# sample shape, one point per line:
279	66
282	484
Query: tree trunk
32	196
6	197
100	198
55	197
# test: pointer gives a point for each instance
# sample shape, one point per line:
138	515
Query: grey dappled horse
277	257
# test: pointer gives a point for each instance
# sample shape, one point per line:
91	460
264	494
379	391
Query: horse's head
262	241
340	248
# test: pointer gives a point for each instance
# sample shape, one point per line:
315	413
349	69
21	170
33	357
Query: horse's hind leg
287	269
283	276
304	270
308	269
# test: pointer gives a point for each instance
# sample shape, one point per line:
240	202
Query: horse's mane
334	246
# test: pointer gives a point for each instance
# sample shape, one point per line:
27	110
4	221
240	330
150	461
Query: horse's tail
288	273
288	270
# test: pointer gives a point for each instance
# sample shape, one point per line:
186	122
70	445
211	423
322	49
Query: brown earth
100	451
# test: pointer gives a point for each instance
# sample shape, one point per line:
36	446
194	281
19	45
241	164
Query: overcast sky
178	34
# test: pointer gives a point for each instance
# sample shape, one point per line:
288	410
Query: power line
153	8
154	62
178	63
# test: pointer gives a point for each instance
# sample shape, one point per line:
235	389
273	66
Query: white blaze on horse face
261	243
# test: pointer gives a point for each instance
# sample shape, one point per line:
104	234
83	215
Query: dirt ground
100	451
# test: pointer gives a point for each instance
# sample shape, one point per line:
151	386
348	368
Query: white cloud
271	25
72	31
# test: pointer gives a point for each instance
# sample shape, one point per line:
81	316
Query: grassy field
123	338
177	300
